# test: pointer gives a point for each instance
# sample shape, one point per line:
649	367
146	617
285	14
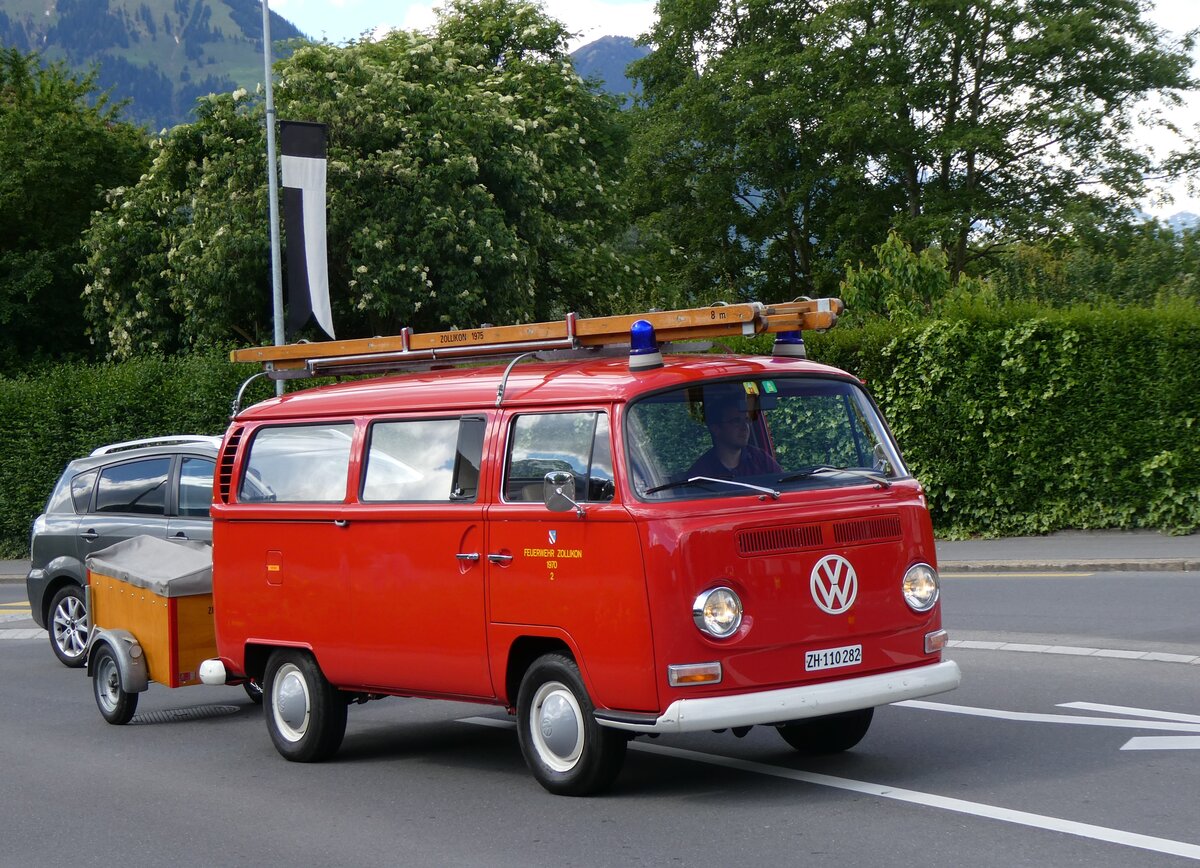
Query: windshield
757	436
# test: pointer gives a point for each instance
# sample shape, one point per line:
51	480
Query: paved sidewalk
1091	551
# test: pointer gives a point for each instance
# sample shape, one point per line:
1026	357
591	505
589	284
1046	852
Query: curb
1080	565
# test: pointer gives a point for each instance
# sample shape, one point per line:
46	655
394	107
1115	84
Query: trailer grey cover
169	568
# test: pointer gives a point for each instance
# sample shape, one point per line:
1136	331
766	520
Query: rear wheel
832	734
566	749
116	705
69	626
305	714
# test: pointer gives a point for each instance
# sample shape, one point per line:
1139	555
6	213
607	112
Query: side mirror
558	492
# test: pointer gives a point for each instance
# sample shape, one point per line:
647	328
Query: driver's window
578	443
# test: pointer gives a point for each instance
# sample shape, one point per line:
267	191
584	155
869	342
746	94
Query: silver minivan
161	486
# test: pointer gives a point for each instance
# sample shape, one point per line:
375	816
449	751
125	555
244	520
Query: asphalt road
1028	763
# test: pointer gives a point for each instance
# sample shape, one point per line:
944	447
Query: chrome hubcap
290	702
556	726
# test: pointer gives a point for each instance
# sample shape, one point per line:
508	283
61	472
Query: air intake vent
225	470
865	530
776	540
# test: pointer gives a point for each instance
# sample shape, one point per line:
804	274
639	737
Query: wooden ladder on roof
573	332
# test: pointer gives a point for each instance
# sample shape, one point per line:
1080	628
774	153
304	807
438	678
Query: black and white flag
302	150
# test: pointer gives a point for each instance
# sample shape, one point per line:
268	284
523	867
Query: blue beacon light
643	347
789	345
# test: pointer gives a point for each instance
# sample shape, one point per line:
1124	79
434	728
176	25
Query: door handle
89	535
500	559
180	535
467	556
341	522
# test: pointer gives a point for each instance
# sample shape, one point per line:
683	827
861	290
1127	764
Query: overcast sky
342	20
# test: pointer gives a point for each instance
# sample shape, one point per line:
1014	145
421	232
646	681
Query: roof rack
374	355
156	441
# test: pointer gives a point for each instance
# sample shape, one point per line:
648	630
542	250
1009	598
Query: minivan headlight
717	612
920	586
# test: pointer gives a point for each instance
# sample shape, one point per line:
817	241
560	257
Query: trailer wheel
831	734
306	715
68	624
116	705
569	753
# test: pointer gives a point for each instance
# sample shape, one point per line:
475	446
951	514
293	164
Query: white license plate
832	658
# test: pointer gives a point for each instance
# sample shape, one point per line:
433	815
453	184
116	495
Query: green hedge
1027	421
1017	420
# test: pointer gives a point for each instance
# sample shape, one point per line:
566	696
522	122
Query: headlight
717	612
920	587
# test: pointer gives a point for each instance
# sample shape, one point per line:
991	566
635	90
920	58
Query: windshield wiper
693	480
881	481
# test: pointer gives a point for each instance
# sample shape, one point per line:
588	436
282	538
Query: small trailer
151	606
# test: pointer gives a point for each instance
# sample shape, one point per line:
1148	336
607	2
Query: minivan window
138	487
781	433
195	486
81	490
574	442
423	460
298	464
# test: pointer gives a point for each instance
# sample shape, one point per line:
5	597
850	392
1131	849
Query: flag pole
273	190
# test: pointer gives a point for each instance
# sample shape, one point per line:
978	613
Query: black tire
825	735
254	691
116	705
68	625
581	757
305	714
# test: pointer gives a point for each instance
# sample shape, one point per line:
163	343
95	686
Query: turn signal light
936	641
691	674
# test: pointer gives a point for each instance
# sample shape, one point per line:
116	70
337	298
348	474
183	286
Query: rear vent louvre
866	530
776	540
225	471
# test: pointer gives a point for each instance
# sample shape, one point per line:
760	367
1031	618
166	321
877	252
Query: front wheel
306	715
569	753
115	703
831	734
69	626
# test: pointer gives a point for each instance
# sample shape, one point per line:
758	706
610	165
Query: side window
574	442
424	460
195	486
81	490
138	487
298	464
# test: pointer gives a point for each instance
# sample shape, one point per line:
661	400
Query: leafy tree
472	177
61	146
781	138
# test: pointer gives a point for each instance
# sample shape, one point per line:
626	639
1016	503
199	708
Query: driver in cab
728	421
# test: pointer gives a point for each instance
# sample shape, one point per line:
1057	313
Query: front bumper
791	703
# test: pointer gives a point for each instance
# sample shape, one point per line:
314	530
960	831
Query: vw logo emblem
834	584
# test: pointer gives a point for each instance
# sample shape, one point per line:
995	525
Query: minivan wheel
569	753
831	734
305	714
69	626
116	705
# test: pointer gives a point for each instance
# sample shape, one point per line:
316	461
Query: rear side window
575	442
298	464
195	486
424	460
81	490
137	487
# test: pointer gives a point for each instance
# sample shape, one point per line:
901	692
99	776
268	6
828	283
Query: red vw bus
604	545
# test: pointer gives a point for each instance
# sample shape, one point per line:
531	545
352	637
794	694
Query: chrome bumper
793	703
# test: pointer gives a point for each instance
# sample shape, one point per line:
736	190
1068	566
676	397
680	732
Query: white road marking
960	806
1135	712
34	633
1028	717
1163	742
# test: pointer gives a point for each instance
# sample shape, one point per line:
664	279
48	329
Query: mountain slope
160	54
606	60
